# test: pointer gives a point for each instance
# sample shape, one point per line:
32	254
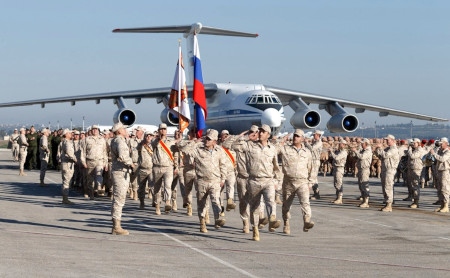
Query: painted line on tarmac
200	251
444	238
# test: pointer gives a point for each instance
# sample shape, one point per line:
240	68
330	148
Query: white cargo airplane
236	107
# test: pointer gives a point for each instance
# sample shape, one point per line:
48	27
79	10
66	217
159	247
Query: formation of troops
264	170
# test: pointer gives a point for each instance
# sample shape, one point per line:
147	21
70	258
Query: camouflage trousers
414	179
144	178
162	179
387	184
363	181
338	174
292	188
190	180
121	181
67	169
256	188
443	185
212	189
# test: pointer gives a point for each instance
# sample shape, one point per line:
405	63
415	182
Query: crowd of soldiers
260	167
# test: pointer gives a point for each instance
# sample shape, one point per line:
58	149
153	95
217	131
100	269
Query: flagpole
179	83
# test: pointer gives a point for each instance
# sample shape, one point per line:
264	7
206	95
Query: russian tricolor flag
199	92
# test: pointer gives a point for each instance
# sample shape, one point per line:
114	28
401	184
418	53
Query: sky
390	53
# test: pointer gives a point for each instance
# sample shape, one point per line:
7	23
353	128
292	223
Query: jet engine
125	116
342	123
168	117
305	119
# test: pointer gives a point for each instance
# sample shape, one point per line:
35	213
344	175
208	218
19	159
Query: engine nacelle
168	117
305	119
125	116
342	123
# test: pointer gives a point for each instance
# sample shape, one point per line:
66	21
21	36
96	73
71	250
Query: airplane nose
271	117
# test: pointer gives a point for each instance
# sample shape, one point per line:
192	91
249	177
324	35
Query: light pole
71	124
83	123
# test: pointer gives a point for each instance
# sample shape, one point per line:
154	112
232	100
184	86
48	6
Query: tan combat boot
207	218
365	203
117	229
157	209
255	233
263	221
387	208
415	204
245	228
286	228
66	201
278	200
338	200
22	173
189	210
141	203
230	204
203	225
444	208
273	223
168	207
307	224
219	223
174	205
135	195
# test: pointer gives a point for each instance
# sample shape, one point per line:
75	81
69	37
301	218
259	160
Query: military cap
22	129
318	132
416	140
254	128
390	136
162	126
342	142
76	132
94	126
365	140
265	128
65	131
444	139
299	132
148	132
225	132
212	134
140	128
118	126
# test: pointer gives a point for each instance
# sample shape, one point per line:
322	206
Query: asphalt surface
40	237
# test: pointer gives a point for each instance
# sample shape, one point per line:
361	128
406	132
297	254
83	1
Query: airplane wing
286	96
157	93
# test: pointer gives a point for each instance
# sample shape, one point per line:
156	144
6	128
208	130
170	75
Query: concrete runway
42	238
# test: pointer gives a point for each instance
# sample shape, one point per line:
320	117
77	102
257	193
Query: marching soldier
134	153
389	162
316	150
95	159
211	171
144	174
364	156
165	165
264	175
297	161
339	158
230	180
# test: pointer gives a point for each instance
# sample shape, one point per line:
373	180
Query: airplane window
267	99
253	101
248	100
275	100
260	99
